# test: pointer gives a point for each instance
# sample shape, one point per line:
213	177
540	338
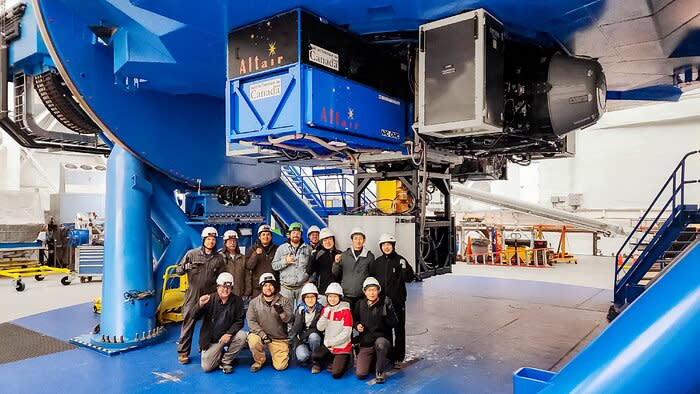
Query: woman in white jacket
336	321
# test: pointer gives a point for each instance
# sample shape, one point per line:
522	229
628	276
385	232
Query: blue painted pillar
128	293
172	222
651	347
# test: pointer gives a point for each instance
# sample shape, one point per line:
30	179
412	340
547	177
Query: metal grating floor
18	343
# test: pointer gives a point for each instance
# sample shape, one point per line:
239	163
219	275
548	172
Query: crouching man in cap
221	337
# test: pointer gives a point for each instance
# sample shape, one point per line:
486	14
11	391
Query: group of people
361	312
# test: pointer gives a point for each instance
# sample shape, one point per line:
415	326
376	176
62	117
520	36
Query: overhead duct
537	210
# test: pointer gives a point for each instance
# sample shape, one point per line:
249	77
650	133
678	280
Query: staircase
663	238
314	187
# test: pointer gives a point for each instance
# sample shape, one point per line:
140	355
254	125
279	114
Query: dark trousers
398	351
364	359
339	362
185	343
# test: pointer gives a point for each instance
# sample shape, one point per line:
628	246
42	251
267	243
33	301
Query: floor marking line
597	324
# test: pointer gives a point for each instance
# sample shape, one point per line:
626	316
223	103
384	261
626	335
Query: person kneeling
374	318
221	337
305	336
268	315
336	321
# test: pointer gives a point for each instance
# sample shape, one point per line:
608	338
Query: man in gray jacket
290	260
268	316
353	266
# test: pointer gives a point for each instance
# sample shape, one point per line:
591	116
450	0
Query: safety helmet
309	288
312	229
358	230
267	277
225	278
209	232
334	288
386	237
264	228
371	281
294	226
326	233
230	234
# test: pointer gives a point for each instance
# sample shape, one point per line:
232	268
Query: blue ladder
668	235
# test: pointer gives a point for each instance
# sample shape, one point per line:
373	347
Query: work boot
183	358
315	369
227	368
255	367
398	364
381	377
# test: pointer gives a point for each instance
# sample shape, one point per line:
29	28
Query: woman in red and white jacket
336	321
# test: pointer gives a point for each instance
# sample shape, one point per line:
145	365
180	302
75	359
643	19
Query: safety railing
537	257
676	182
307	186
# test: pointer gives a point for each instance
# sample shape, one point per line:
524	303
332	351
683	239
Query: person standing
392	271
258	260
305	337
268	316
221	337
312	234
336	323
291	260
374	318
353	266
234	262
202	266
320	267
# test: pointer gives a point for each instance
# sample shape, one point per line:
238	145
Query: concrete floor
468	333
43	296
591	271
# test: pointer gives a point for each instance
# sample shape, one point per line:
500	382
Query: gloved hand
403	263
278	308
266	340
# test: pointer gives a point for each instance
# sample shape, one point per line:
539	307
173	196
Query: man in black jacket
221	337
373	316
202	266
392	271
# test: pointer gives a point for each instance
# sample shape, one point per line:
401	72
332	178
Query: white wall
620	165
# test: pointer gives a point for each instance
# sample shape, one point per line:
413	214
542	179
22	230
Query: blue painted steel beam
651	347
287	205
127	255
649	93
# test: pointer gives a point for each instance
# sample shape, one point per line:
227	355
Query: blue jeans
304	350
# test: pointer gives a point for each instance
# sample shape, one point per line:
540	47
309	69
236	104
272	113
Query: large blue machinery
203	101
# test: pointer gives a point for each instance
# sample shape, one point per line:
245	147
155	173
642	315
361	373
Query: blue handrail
678	187
307	186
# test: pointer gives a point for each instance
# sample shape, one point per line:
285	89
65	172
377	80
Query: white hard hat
325	233
264	228
334	288
357	230
309	288
266	277
225	278
386	237
312	229
230	234
371	281
209	232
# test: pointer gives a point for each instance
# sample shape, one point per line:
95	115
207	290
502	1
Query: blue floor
469	334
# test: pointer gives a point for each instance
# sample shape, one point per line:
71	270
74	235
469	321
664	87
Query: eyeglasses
226	286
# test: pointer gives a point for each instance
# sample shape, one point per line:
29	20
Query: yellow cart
38	273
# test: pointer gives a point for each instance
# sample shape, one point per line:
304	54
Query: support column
128	292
